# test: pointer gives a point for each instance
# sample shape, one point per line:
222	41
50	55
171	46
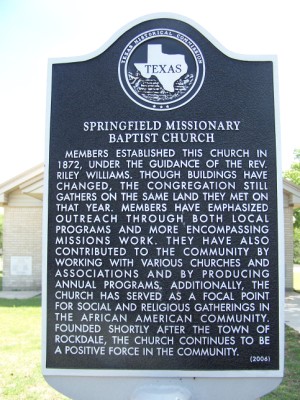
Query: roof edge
13	183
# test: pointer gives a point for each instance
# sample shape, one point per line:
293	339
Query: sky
32	31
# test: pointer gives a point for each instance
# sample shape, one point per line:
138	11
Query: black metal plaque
162	208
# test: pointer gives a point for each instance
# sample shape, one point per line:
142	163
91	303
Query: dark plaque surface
162	208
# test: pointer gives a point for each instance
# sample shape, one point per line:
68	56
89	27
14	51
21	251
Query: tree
293	175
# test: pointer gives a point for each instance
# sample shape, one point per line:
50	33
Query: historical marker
162	219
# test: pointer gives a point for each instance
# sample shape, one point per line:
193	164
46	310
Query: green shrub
297	245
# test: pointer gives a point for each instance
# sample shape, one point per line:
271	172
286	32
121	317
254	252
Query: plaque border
54	375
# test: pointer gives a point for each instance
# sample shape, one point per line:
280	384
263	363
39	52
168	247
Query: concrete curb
292	310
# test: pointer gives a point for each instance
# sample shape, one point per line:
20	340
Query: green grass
20	347
290	386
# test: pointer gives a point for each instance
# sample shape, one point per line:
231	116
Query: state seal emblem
161	69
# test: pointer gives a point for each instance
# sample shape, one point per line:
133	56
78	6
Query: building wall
288	241
22	240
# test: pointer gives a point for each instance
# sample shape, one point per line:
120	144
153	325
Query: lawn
20	347
20	344
290	386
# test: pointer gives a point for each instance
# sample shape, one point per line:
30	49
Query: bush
297	245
